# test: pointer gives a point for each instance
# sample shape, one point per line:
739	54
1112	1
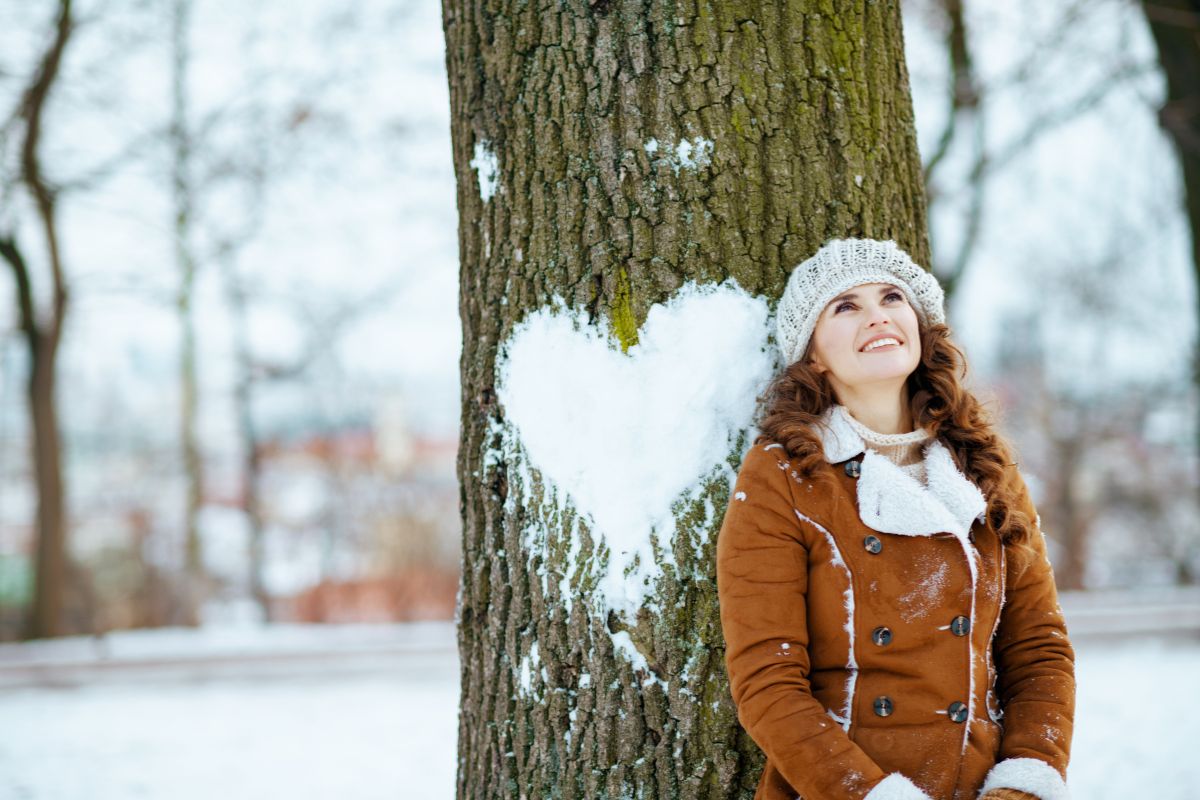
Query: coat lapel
892	501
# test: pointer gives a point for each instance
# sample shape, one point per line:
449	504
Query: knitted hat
839	265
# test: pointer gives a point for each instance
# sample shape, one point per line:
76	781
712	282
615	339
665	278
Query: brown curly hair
938	401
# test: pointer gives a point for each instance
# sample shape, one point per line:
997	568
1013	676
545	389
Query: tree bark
800	128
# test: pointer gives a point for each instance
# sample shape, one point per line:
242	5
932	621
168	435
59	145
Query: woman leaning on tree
891	621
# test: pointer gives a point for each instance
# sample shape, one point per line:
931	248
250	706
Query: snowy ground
377	718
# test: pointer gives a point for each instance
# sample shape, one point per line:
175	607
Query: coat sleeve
1036	673
762	580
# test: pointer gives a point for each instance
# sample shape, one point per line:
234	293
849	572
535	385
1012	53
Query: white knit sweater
905	450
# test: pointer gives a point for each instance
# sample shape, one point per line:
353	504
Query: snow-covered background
363	216
371	714
352	267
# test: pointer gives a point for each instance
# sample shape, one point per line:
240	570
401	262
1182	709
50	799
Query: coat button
881	635
883	706
960	626
958	711
853	469
872	544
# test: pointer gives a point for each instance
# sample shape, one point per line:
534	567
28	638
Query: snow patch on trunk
487	170
611	442
688	154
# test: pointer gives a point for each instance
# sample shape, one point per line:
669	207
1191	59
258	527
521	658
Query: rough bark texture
807	109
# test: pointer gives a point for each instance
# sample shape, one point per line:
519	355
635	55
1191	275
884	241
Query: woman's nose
878	315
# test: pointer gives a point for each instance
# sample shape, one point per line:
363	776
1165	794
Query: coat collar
892	501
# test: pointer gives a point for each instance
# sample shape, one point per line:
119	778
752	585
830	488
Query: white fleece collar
892	501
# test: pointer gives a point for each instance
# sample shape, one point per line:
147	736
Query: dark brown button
960	626
883	706
881	635
853	469
958	711
872	544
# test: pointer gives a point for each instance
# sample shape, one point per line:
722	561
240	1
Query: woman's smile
888	343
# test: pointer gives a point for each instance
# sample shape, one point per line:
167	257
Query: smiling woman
897	634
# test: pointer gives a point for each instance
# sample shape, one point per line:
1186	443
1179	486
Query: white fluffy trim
896	787
892	501
1028	775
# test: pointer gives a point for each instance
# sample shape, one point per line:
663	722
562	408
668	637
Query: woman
891	622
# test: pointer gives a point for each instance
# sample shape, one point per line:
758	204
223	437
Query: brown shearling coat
912	657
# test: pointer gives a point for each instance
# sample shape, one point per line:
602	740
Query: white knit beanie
839	265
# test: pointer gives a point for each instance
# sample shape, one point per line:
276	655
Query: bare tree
1176	28
198	170
183	199
1080	432
966	133
965	98
42	330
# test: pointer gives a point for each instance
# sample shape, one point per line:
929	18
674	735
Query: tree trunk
50	586
606	154
42	337
1176	28
195	580
1074	520
243	402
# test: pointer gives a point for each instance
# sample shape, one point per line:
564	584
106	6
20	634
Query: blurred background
229	347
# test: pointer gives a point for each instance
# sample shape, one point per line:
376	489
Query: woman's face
853	320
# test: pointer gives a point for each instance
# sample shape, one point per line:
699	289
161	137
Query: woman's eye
846	303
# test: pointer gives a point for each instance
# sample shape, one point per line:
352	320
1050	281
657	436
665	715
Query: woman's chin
887	372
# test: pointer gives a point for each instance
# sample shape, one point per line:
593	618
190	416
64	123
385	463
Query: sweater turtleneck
905	450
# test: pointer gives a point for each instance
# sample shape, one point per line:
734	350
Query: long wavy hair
798	396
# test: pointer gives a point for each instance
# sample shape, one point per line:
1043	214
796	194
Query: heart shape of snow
625	434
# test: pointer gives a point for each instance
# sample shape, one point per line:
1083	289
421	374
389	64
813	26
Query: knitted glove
1008	794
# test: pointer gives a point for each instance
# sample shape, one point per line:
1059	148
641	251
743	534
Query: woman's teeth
880	343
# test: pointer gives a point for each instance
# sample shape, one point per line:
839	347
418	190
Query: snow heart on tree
621	437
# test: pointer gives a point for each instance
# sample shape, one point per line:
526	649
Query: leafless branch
33	107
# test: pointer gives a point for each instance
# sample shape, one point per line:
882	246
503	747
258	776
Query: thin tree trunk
50	560
50	586
965	113
1175	25
251	446
42	337
607	153
1074	521
195	583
